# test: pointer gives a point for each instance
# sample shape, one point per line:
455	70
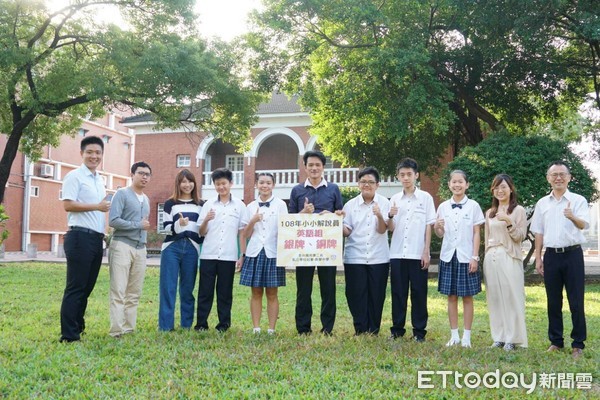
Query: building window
83	132
60	195
234	163
184	160
160	218
35	191
328	163
106	138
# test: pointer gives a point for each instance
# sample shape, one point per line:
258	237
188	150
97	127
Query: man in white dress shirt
85	203
558	223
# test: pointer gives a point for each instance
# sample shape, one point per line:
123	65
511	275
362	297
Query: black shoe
326	332
419	339
304	333
67	340
395	336
200	328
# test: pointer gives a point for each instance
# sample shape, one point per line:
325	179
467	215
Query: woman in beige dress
505	229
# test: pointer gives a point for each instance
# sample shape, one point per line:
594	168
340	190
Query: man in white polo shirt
558	223
84	200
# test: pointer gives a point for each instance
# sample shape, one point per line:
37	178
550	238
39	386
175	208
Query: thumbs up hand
393	210
376	210
568	212
309	208
183	221
257	216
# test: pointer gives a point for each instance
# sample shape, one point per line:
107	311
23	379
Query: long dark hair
185	174
512	202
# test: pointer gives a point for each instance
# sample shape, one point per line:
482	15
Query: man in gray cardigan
127	252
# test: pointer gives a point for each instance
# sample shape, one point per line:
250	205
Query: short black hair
140	164
314	153
91	140
408	163
369	171
220	173
559	162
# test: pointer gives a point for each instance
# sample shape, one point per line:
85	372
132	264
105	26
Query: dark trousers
365	292
565	270
84	257
405	273
304	285
222	272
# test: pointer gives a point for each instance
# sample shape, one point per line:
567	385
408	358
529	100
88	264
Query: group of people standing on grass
223	235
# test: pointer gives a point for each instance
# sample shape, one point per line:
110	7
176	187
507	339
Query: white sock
466	335
256	330
454	333
270	331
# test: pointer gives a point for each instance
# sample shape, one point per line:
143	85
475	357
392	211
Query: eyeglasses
144	174
371	183
555	175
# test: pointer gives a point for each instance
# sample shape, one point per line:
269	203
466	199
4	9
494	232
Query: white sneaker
452	342
256	331
466	343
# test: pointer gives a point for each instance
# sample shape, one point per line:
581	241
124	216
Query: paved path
592	263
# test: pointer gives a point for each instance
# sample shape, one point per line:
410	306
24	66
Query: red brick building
33	191
280	138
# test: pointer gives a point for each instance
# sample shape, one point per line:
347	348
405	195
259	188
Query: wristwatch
390	216
476	258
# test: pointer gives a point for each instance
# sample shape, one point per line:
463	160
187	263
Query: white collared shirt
458	228
365	245
221	240
322	183
82	186
550	221
264	234
415	212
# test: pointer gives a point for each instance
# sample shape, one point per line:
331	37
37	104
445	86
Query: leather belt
567	249
86	230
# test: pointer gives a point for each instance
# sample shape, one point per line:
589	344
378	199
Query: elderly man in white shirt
558	223
366	253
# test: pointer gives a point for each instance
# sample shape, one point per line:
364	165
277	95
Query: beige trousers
127	266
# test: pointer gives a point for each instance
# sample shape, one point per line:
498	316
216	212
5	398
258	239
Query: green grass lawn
238	364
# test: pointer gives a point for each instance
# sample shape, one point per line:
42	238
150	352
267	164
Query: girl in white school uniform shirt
459	221
259	270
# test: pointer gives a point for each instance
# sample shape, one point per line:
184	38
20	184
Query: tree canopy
58	67
526	160
385	79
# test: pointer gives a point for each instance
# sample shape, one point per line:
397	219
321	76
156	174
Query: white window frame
159	218
184	160
328	163
234	162
35	191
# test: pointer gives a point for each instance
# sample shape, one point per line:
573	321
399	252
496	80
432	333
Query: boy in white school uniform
366	253
221	220
410	219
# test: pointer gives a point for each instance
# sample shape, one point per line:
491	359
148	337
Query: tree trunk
10	152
